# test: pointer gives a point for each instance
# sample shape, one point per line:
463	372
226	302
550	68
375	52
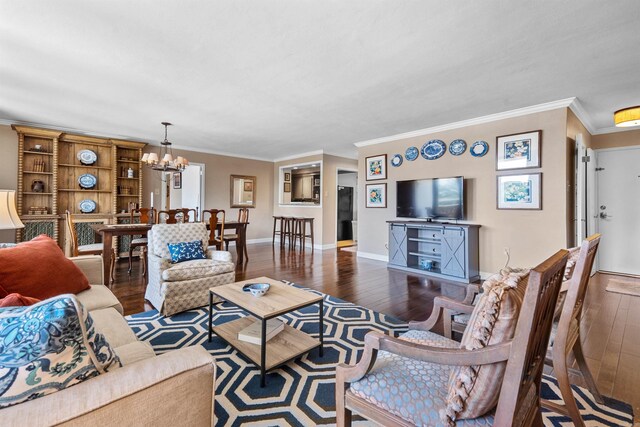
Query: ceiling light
627	117
164	160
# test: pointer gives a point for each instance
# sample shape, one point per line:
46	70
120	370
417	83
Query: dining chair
146	216
90	249
215	217
422	378
169	216
243	217
188	214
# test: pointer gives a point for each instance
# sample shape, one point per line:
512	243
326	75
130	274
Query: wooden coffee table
280	299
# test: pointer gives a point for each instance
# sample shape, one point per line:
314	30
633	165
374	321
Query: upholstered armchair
173	288
422	378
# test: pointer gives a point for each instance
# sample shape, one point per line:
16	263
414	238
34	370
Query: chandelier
165	161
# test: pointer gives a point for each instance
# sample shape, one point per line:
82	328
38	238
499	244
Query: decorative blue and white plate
411	154
396	160
87	206
87	180
87	157
433	149
479	149
256	289
457	147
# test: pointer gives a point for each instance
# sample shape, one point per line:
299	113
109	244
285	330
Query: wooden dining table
107	231
241	231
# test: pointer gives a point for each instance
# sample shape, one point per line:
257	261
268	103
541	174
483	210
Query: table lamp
9	219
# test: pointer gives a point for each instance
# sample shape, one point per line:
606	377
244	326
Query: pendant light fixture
627	117
164	161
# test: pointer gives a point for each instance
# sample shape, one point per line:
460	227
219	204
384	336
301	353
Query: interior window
300	184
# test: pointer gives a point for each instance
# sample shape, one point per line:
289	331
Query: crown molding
297	156
614	129
582	115
215	152
562	103
64	129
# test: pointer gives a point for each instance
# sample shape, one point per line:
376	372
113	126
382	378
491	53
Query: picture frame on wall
287	187
376	167
519	151
287	176
376	195
177	180
520	191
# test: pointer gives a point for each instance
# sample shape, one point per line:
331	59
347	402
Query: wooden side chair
566	336
243	217
188	215
147	216
169	216
215	217
91	249
425	379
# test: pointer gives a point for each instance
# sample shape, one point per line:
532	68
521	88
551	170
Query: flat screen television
436	198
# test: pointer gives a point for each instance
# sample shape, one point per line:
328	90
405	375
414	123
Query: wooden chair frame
519	399
215	216
147	216
76	249
186	214
243	216
171	216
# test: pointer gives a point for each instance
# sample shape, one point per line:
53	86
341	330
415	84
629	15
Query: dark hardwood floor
610	328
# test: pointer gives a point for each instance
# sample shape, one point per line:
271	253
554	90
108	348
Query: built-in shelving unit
48	172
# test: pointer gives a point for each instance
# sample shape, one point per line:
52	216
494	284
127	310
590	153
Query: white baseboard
307	244
261	240
484	275
370	255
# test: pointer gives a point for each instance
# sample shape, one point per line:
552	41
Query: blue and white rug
302	393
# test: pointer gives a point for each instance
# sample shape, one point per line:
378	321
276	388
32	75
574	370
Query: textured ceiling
269	79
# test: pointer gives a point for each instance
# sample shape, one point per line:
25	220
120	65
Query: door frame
335	210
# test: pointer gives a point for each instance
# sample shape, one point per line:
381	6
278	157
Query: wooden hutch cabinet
49	172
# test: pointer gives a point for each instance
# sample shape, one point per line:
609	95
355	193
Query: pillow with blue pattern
47	347
186	251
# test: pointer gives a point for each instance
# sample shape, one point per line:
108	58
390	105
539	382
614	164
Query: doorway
618	210
185	190
347	208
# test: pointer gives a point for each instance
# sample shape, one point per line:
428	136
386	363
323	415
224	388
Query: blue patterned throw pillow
47	347
186	251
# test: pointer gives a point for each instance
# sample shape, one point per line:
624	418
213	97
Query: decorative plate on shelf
479	149
396	160
411	154
87	157
87	180
87	206
433	149
457	147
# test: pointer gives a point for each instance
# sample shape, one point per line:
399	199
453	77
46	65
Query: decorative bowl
256	289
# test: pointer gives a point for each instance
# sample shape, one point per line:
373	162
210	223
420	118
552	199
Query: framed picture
287	176
316	182
520	191
518	151
177	180
376	195
287	187
376	167
248	186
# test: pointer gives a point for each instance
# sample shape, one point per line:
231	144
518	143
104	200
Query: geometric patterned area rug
302	393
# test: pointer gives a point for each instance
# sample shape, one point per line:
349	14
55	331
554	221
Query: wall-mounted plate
433	149
479	149
411	154
457	147
87	206
87	180
396	160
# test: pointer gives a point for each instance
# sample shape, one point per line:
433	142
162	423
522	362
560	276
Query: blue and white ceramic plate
433	149
256	289
479	149
87	180
457	147
396	160
87	157
87	206
411	154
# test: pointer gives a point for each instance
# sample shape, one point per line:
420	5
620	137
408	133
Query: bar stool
276	219
300	232
287	224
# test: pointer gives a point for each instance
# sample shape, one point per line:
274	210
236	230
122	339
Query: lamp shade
145	157
153	158
627	117
168	158
9	219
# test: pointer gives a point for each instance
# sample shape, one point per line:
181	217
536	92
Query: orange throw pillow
39	269
17	300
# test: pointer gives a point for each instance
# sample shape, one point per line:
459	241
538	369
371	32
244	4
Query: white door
618	210
581	187
192	188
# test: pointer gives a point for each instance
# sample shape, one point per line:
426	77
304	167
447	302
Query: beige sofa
175	388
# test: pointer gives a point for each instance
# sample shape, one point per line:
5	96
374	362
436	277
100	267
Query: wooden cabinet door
398	244
453	262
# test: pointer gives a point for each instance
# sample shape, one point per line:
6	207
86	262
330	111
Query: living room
276	101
